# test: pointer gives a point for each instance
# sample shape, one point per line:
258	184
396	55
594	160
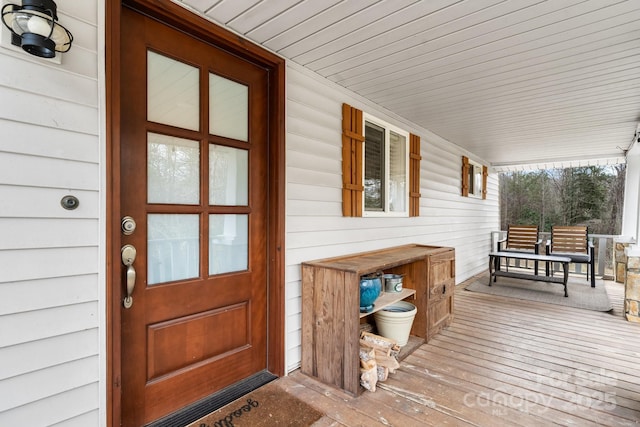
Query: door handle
128	253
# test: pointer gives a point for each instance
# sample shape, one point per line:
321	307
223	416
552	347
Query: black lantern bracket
34	27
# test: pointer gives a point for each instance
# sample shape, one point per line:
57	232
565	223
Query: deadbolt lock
128	225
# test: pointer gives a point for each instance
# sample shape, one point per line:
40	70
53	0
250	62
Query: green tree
587	195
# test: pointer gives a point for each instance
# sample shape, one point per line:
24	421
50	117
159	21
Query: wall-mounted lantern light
34	27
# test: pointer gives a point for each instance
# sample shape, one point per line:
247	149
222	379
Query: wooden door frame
194	25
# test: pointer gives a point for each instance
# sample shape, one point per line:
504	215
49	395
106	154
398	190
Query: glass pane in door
228	176
173	247
228	242
173	92
228	108
173	170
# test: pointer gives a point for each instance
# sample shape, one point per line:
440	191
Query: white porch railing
604	254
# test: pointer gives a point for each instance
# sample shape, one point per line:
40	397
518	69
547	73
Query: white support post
631	228
631	213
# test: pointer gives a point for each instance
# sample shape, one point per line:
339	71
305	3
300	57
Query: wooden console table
330	305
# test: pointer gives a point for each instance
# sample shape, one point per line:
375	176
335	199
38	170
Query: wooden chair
573	242
521	238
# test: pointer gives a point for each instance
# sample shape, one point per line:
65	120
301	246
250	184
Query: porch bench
494	267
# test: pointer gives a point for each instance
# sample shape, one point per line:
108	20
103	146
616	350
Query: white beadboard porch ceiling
516	82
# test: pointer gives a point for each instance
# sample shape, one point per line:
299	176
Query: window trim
469	174
352	186
388	127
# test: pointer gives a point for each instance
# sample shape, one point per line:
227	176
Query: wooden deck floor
503	362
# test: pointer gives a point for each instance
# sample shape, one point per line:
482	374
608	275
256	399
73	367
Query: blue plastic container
370	288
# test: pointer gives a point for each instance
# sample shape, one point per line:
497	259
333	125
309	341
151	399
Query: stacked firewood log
378	358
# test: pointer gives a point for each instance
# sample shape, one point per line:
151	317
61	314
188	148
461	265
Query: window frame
470	172
388	128
475	179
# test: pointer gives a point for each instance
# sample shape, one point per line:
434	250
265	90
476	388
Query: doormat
581	294
267	406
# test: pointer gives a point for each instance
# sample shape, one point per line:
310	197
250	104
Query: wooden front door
194	180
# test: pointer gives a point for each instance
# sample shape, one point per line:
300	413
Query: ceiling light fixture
34	27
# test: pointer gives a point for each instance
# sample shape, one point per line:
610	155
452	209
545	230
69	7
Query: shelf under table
387	298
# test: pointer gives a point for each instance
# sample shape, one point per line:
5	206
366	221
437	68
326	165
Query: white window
386	169
475	179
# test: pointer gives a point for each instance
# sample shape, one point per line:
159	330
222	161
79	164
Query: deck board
503	361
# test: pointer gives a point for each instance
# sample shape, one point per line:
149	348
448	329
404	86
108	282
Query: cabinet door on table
441	289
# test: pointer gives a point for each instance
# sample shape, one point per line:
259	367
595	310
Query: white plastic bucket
395	321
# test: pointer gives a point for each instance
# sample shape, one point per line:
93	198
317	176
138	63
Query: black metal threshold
214	402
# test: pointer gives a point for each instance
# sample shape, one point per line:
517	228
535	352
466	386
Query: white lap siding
51	271
315	225
52	286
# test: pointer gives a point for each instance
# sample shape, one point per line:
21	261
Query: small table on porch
494	267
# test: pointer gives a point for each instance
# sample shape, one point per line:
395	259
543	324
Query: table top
381	259
531	256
